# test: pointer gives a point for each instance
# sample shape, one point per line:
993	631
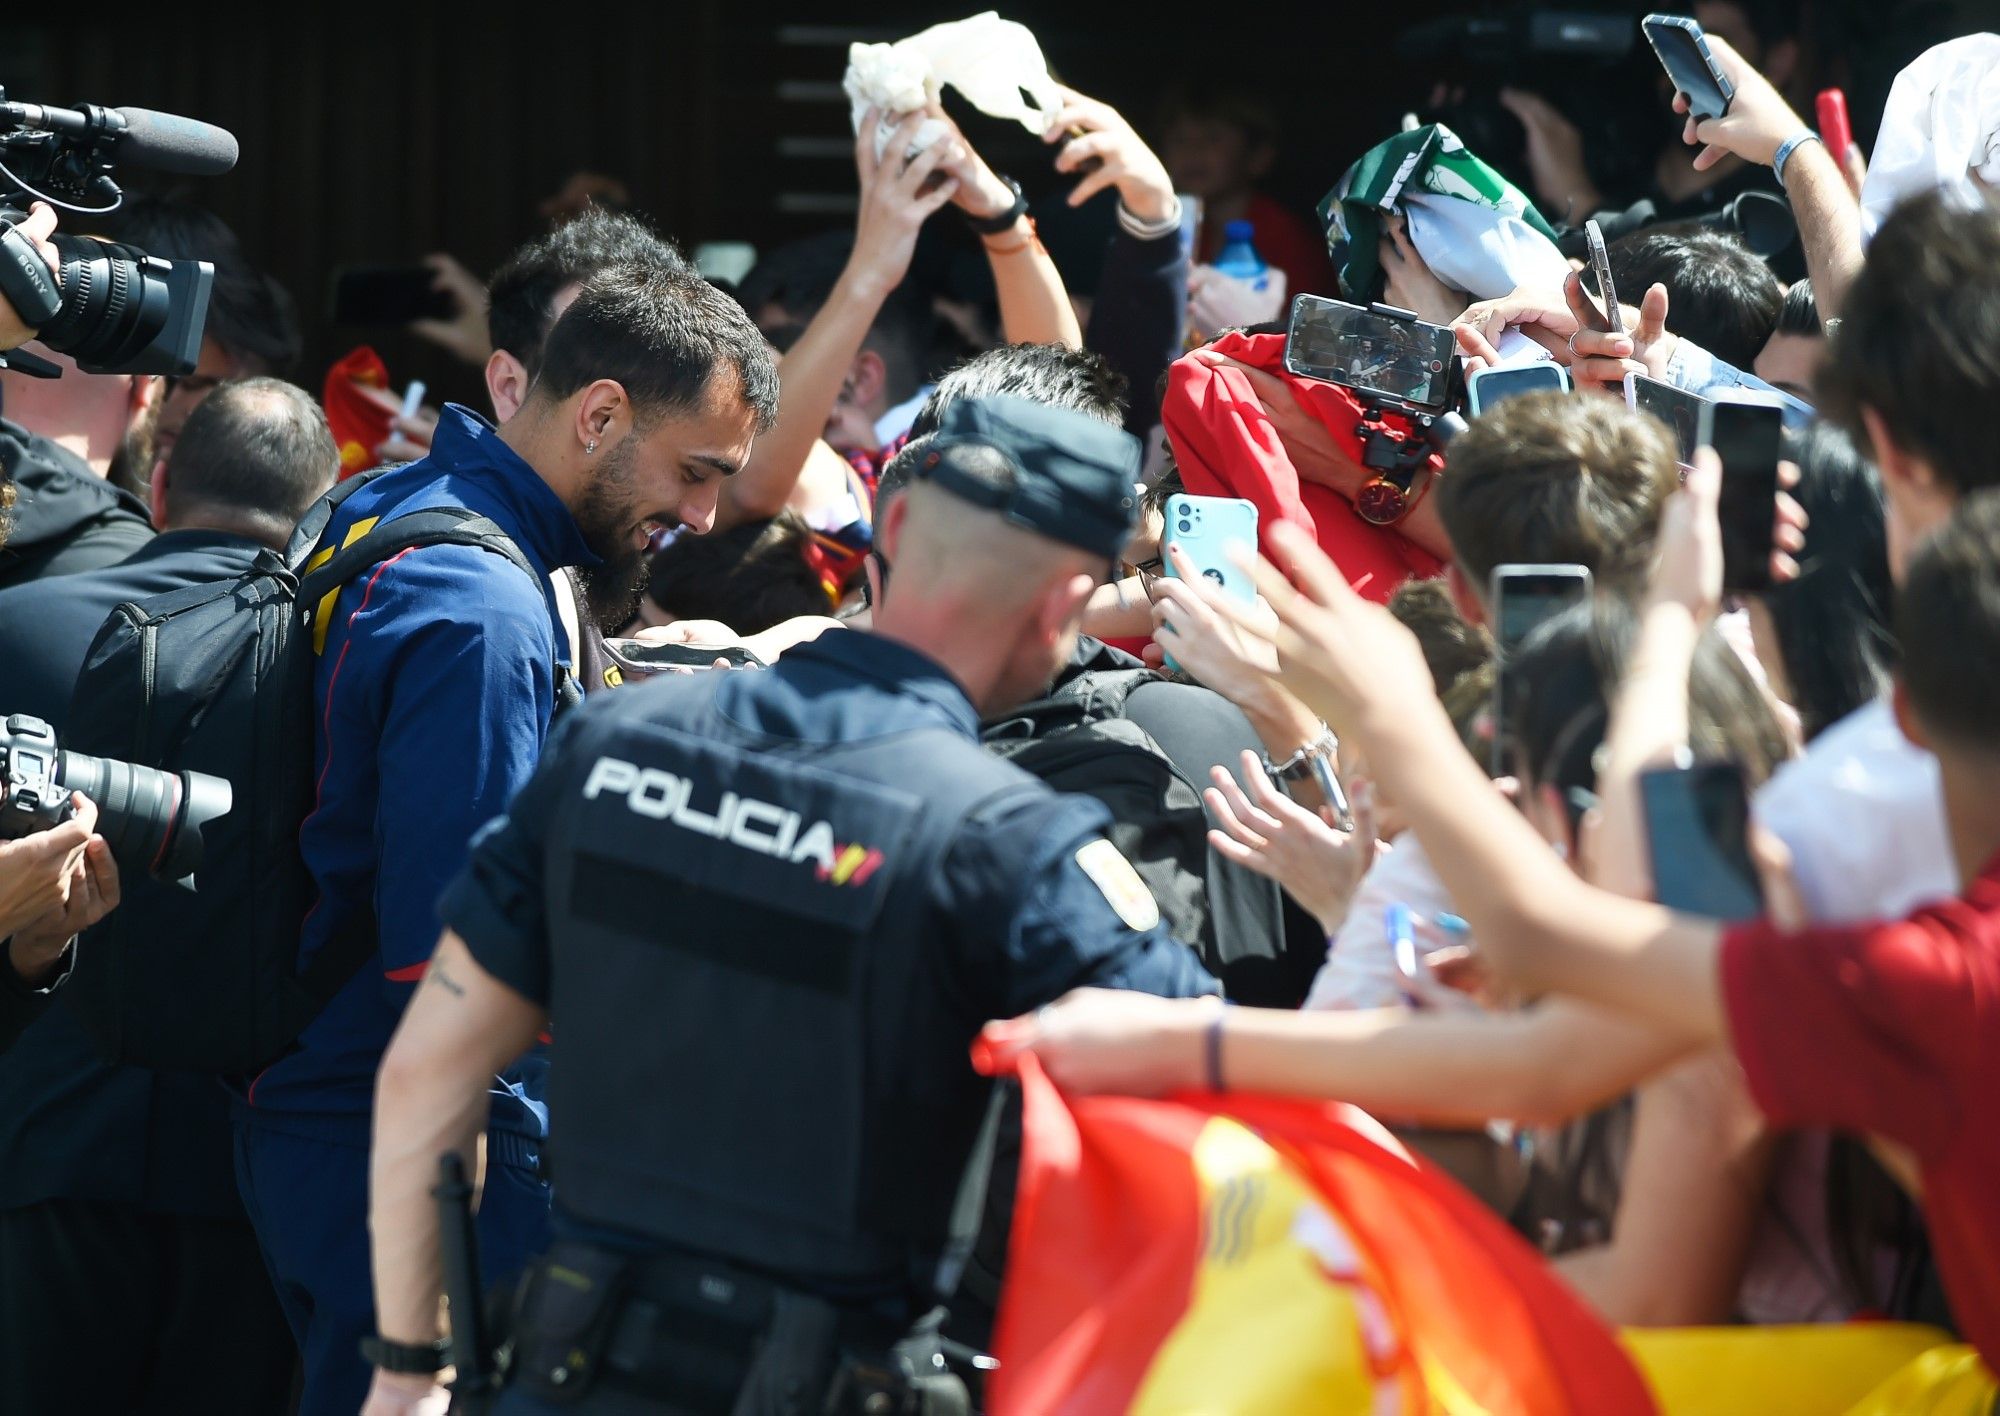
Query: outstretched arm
894	206
1546	1065
1543	927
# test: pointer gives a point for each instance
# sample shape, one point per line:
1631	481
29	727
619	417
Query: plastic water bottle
1238	257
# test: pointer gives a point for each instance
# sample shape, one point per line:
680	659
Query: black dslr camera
152	820
114	309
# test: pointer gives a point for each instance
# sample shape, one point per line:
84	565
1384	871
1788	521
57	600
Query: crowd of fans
1782	1121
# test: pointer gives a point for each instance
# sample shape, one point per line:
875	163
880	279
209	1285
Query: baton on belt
477	1376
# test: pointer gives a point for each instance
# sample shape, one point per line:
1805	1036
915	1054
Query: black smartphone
1676	407
1748	434
1698	832
1600	265
1379	350
1523	596
1683	52
388	295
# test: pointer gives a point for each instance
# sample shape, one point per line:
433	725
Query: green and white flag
1477	231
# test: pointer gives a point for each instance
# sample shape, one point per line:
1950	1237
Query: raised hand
1318	864
1098	133
896	200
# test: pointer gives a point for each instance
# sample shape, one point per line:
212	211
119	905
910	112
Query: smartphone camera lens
1186	526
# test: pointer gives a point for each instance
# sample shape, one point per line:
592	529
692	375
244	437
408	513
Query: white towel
990	61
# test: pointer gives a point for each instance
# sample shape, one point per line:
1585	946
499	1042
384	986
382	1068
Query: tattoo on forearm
437	975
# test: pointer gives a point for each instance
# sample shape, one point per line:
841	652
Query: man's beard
605	516
132	465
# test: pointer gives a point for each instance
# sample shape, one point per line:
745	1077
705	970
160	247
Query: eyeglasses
1149	570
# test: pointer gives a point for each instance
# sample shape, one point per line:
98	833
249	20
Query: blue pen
1402	930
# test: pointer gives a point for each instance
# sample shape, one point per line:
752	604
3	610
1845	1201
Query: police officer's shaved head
1014	513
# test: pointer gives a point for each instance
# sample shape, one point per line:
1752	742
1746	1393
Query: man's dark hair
1800	312
663	333
1919	340
1452	646
750	577
901	470
521	295
1048	374
250	315
1948	626
1052	375
1558	478
256	449
796	277
1719	294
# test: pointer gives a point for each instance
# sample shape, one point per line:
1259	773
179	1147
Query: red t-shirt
1892	1029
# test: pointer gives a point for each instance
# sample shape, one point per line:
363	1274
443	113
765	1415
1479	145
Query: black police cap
1072	475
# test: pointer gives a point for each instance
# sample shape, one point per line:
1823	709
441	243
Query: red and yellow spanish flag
1240	1254
360	424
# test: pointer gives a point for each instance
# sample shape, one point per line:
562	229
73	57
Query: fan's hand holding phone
1211	532
1683	52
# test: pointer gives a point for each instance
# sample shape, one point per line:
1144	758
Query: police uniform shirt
1030	894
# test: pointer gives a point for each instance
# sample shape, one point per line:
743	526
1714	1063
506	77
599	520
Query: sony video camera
114	309
152	820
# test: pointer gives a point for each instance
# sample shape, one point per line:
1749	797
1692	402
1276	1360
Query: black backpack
1077	739
218	678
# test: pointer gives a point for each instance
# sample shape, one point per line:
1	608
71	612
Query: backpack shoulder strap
312	526
437	526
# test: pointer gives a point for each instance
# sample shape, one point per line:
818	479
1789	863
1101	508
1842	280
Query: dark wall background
375	134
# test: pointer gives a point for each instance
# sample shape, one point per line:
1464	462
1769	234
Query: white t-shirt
1360	968
1864	816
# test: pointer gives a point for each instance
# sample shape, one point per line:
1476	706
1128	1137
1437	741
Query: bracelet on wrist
1787	148
1032	239
1211	1051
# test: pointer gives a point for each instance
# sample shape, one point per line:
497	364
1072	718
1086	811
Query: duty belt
697	1335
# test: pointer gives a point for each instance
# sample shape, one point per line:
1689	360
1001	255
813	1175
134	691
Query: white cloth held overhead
995	64
1940	128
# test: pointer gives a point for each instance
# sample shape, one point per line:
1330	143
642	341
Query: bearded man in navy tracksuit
438	676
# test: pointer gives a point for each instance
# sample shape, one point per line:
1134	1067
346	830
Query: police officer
764	915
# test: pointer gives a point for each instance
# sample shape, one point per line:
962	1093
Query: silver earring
590	446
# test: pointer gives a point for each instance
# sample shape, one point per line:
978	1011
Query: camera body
152	820
32	797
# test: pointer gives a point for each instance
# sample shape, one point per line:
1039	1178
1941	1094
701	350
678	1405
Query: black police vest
761	1019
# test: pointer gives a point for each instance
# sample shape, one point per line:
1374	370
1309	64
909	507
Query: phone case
1696	85
1207	528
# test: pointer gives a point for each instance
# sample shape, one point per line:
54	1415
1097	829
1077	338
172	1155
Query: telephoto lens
152	820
